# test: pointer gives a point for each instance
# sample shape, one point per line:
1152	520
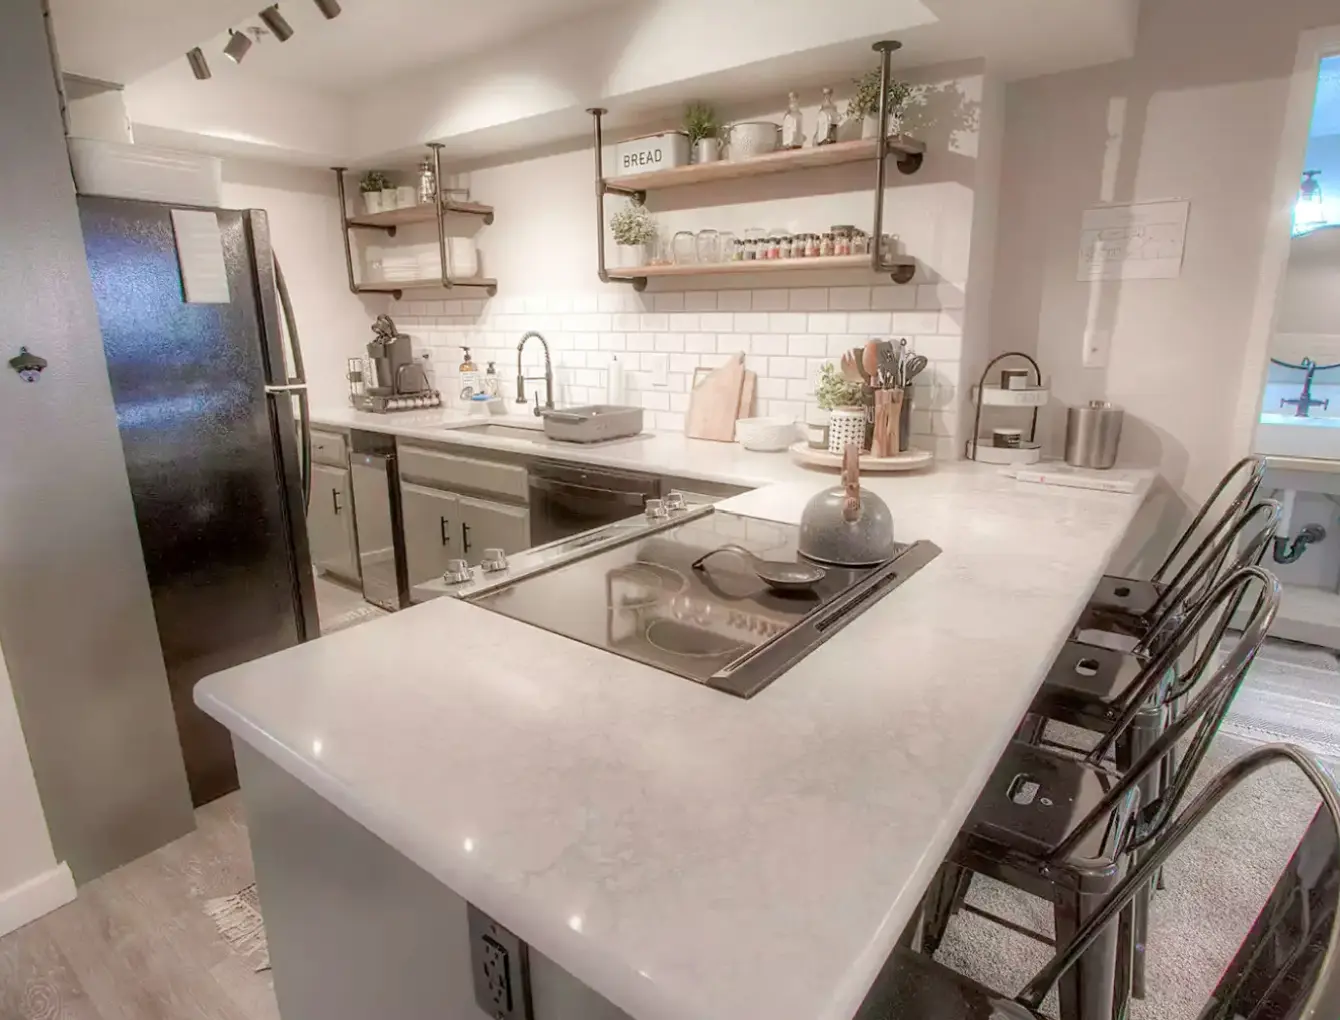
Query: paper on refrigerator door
1144	241
204	275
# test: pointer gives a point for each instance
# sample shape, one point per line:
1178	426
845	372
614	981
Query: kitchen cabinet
432	531
489	525
330	522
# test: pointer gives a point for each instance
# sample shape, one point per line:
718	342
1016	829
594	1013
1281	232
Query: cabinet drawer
329	448
448	470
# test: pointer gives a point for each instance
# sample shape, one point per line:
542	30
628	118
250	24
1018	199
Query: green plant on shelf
865	102
373	180
633	225
700	121
834	391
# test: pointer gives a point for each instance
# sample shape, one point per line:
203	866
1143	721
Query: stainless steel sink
534	435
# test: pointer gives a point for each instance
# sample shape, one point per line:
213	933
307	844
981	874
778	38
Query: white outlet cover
660	369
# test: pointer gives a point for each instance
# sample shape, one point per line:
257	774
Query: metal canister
1092	433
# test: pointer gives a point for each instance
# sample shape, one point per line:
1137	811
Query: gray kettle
847	526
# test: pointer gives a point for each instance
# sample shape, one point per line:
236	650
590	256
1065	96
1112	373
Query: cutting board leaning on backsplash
714	402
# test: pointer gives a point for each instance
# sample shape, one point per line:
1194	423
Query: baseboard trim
39	895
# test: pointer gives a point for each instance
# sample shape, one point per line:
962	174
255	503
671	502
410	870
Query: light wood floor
136	944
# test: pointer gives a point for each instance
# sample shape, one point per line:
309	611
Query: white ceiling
1326	114
379	40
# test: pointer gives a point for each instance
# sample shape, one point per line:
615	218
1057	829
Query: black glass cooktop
719	625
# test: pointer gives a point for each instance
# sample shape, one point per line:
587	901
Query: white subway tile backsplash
715	360
656	400
827	322
839	344
586	341
679	402
609	302
772	300
896	297
771	388
684	322
787	322
654	322
670	343
613	342
716	322
849	298
669	421
939	348
786	409
700	343
951	321
735	300
805	345
579	302
809	299
908	323
678	382
686	363
475	308
872	323
668	302
799	389
730	343
787	368
700	301
767	343
627	322
641	341
751	322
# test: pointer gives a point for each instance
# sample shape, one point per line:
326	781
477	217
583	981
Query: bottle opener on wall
29	366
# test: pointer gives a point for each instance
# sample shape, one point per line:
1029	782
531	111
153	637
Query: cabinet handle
465	537
335	500
442	530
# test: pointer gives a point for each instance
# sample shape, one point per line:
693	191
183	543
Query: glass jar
811	246
826	247
708	245
786	247
730	247
860	243
748	249
842	239
683	248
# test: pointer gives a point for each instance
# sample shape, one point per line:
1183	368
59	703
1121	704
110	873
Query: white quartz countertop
663	453
690	855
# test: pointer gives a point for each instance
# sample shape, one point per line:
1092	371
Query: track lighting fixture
236	47
199	66
276	23
330	8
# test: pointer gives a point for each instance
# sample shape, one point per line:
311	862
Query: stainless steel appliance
637	590
213	450
378	518
1092	433
568	499
396	381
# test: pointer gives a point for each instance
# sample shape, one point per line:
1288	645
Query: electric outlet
659	365
501	969
1097	347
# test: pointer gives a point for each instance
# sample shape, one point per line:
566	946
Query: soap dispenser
492	384
470	379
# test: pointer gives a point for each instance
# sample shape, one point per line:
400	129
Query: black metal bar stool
1129	606
1063	828
1287	968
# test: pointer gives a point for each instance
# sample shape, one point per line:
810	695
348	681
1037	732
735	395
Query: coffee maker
392	380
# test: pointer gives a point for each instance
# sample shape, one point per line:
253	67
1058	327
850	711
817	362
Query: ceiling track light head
276	23
199	66
236	47
330	8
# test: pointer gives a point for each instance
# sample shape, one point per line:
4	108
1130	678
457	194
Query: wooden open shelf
909	151
395	287
897	263
419	214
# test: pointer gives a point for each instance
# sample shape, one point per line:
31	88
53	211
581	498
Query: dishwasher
568	499
377	517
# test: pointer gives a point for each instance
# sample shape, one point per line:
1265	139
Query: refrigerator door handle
286	388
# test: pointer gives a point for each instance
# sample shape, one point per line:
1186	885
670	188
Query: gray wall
76	622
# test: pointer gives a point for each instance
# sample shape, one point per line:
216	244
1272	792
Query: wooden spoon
850	371
870	359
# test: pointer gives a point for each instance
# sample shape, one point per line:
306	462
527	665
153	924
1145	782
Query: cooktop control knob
493	561
458	572
675	502
656	510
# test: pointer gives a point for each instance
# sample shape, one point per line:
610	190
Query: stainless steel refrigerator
211	407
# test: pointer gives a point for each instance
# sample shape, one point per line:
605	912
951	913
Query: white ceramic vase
708	150
846	425
632	256
373	201
388	200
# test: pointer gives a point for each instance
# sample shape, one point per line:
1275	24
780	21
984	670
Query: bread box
652	152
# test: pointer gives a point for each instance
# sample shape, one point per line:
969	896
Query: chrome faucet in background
522	378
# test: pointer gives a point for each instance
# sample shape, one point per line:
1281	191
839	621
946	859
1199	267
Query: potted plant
634	230
700	124
864	105
371	186
842	400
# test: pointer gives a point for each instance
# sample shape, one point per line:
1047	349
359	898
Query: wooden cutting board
747	392
715	402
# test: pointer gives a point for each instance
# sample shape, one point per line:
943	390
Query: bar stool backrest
1294	977
1247	473
1206	711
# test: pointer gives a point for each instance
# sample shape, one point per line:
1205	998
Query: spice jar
786	247
860	243
770	245
748	250
811	246
842	240
826	245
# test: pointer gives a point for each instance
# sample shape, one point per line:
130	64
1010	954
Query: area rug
238	918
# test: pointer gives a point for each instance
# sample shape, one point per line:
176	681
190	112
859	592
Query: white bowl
765	435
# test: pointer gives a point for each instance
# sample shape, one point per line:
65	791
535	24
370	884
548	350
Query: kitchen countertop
662	453
690	855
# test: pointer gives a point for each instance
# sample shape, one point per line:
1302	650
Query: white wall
1173	122
31	881
333	323
1309	300
542	250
